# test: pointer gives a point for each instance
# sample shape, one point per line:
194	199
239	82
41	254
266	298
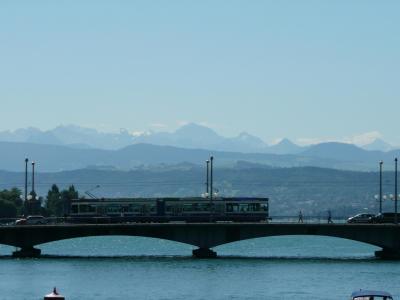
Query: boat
371	295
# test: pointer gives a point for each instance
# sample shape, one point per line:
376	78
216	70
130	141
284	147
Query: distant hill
51	158
343	152
285	146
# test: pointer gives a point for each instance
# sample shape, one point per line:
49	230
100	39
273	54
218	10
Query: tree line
55	204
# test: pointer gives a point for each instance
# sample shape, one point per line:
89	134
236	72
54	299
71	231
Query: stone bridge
202	235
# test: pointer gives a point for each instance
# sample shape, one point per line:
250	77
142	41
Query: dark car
385	218
360	218
31	220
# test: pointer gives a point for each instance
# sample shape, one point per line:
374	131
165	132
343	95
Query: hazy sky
296	69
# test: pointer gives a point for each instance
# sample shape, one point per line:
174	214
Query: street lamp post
395	191
211	188
33	177
211	178
207	182
380	186
26	178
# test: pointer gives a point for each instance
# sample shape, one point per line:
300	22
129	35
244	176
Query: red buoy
54	296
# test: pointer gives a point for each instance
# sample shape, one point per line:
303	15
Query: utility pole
26	179
395	191
207	182
33	179
380	186
211	188
211	178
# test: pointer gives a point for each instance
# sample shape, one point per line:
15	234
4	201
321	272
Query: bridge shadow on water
297	249
186	258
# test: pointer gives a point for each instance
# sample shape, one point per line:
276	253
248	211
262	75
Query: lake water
141	268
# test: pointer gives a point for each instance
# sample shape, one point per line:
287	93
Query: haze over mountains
72	147
191	136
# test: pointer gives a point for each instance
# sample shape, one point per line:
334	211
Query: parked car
385	218
370	295
31	220
360	218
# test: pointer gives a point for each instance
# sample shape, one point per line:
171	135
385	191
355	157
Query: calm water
139	268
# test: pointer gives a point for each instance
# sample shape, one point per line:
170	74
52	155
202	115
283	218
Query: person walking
329	216
300	216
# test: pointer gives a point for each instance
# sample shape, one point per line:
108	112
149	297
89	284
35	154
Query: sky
305	70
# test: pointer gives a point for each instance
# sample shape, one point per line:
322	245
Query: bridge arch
117	245
298	246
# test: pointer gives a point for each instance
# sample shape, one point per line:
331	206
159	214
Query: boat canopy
366	293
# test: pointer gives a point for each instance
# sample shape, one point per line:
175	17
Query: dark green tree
67	196
54	203
7	209
12	204
58	202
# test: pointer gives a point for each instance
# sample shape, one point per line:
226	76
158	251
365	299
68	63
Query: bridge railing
308	219
106	220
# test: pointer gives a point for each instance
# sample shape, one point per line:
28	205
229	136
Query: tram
187	209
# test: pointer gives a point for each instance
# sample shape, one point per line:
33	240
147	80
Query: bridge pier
28	252
388	254
204	253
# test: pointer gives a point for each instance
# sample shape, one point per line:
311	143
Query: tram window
100	210
114	209
187	207
253	207
219	208
177	209
232	207
74	209
264	207
83	208
204	207
244	207
144	208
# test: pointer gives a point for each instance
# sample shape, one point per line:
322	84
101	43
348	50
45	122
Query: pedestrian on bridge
300	216
329	217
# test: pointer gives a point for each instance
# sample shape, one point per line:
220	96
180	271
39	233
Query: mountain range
71	136
191	136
